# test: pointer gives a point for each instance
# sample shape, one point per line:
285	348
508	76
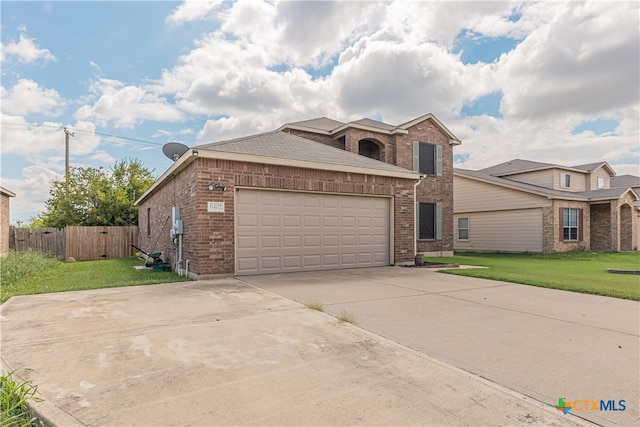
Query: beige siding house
5	213
525	206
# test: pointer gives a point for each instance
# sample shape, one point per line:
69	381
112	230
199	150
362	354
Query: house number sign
215	207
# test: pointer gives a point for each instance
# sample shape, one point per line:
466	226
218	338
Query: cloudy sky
547	81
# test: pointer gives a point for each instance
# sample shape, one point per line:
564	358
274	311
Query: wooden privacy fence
80	243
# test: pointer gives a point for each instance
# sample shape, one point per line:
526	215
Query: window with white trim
600	183
463	228
427	158
429	221
570	225
565	180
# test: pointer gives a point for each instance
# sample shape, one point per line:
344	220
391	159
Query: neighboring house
311	195
525	206
5	215
624	181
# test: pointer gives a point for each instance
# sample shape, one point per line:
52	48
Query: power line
57	128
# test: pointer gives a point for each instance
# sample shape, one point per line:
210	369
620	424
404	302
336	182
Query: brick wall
551	227
209	238
432	189
4	223
601	227
398	150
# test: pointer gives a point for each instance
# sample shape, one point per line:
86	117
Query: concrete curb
44	410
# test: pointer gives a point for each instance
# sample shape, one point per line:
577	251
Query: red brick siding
432	189
398	150
209	239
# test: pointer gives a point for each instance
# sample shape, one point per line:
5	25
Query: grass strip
61	277
574	271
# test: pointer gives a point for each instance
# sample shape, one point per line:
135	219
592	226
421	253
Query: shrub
14	406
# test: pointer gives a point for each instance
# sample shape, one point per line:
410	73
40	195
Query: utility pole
67	133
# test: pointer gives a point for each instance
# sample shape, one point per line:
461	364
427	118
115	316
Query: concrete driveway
542	343
225	353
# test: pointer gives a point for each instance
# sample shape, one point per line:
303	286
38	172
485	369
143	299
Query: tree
96	196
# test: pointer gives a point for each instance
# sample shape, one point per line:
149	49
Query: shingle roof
283	145
513	166
625	181
374	124
321	123
330	126
589	167
608	194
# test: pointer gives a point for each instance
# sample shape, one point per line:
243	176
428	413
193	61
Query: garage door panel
296	231
270	262
311	221
331	260
348	240
331	241
292	241
247	242
349	259
270	242
248	220
292	261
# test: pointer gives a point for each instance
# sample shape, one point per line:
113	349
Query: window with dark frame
463	228
429	221
427	158
570	225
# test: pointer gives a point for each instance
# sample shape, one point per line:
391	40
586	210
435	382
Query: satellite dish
173	150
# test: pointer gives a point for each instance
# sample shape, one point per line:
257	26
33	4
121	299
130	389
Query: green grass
573	271
14	402
18	265
40	275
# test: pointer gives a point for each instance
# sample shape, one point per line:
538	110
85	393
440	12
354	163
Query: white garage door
279	231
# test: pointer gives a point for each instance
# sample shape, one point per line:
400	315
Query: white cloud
31	190
104	157
27	97
192	10
37	140
125	106
25	51
575	63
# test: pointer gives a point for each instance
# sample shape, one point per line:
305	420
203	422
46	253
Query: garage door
278	231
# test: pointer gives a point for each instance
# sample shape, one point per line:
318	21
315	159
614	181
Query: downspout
415	216
180	254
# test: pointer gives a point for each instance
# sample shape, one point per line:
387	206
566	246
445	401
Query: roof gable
323	124
329	126
592	167
453	139
594	195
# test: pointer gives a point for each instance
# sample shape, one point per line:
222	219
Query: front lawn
574	271
24	273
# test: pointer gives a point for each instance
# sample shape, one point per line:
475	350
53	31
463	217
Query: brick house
5	214
525	206
312	195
